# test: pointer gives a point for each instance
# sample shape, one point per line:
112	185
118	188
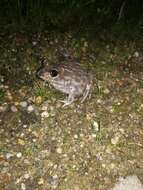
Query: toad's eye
53	73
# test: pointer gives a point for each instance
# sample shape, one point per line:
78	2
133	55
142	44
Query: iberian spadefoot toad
68	78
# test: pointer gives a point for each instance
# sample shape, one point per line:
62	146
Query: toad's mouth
43	78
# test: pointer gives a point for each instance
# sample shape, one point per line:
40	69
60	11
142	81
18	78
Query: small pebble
44	114
94	135
108	150
55	177
21	142
54	182
6	86
26	176
59	150
76	136
136	54
111	109
23	187
34	43
81	145
9	155
2	108
103	165
16	103
41	181
38	100
9	96
44	108
24	126
86	44
19	154
95	126
99	101
13	109
22	134
23	104
55	166
112	165
106	91
2	79
30	108
81	135
115	140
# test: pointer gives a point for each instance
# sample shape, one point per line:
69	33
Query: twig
121	10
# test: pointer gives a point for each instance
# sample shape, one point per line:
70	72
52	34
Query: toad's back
71	79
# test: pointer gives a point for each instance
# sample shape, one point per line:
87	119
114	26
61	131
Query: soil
82	146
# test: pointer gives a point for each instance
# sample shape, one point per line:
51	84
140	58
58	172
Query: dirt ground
82	146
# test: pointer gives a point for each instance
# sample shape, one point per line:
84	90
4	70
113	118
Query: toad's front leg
68	101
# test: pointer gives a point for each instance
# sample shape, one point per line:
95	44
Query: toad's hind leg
86	93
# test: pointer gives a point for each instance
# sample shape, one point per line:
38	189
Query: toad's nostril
53	73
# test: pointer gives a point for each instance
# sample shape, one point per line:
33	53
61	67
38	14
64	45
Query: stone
13	109
23	104
23	187
30	108
131	182
59	150
19	154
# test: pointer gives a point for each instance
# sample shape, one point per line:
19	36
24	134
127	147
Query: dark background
76	15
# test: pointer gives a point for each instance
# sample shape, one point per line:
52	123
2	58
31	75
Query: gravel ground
83	146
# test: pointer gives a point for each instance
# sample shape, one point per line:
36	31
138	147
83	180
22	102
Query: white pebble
55	166
2	79
106	91
25	126
131	182
96	126
81	135
19	154
59	150
44	108
23	104
9	155
34	43
34	140
41	181
6	86
26	176
104	165
14	109
112	165
115	140
99	101
136	54
94	135
76	136
30	108
2	108
23	187
44	114
55	177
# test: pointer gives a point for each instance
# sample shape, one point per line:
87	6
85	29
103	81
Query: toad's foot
68	101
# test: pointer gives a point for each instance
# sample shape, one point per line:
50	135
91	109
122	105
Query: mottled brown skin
68	78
